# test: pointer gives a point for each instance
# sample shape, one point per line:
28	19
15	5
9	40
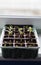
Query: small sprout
21	32
20	29
16	41
9	28
21	44
27	41
10	32
30	45
14	29
10	42
16	45
30	29
4	44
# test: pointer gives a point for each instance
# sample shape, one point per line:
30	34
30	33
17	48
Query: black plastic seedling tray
19	53
22	46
